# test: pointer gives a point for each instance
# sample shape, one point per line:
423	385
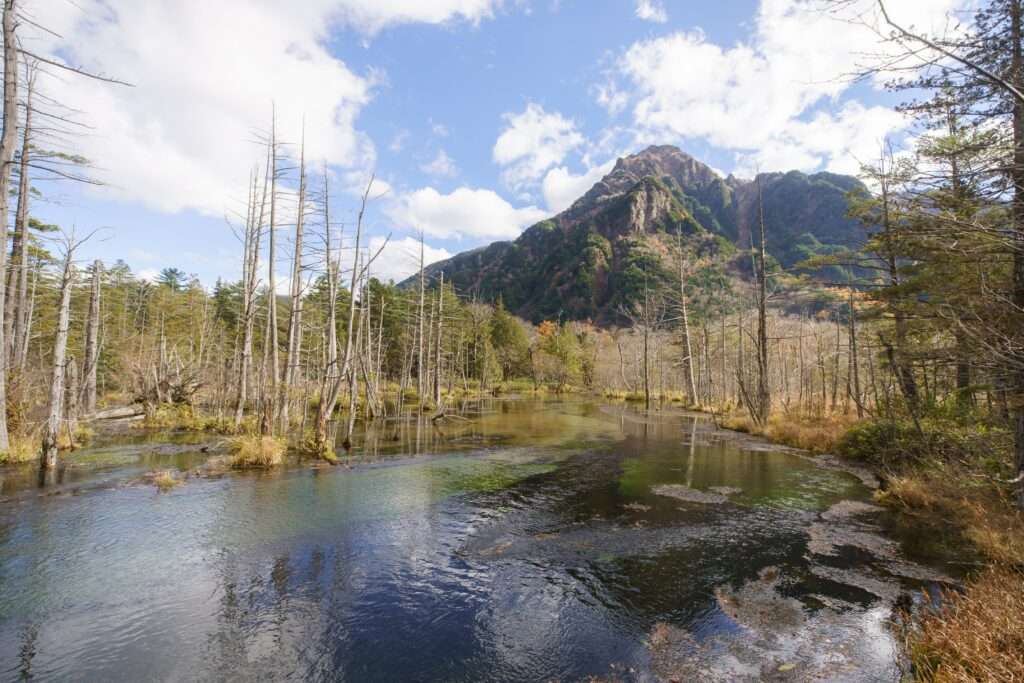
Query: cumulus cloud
561	187
762	97
465	212
651	10
401	258
441	166
533	141
371	16
205	77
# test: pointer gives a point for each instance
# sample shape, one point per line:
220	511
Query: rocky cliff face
591	261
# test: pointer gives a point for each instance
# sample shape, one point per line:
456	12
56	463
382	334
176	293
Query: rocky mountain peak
660	161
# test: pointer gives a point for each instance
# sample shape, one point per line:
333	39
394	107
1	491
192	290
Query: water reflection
525	542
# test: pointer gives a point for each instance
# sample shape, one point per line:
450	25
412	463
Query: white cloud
401	258
371	16
441	166
846	139
205	75
762	97
465	212
651	10
148	274
533	141
561	188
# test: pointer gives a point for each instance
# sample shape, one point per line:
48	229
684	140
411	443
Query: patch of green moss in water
776	480
484	476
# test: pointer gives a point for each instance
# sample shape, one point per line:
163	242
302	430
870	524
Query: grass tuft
165	480
252	451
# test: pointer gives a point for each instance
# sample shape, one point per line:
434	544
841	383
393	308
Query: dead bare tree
51	428
92	340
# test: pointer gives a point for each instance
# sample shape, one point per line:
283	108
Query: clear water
525	542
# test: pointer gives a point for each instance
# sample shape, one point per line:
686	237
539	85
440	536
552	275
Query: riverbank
952	477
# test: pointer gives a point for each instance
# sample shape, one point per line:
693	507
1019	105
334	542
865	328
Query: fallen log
118	413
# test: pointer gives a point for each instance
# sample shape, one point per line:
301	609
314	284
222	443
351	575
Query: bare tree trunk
691	388
25	336
295	317
72	403
763	395
854	360
92	340
331	375
271	372
51	428
420	386
17	277
647	332
329	395
8	139
251	251
438	354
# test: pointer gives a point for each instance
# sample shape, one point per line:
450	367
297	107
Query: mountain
595	258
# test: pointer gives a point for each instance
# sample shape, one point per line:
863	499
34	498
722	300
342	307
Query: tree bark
16	303
8	139
92	340
51	428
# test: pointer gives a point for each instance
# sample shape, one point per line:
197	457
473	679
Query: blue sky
479	117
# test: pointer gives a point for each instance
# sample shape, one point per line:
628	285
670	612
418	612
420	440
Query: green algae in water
773	479
484	476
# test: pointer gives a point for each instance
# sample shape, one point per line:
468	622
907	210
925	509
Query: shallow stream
525	541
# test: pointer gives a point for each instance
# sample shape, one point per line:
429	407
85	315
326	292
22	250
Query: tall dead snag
271	362
438	356
250	262
295	314
763	404
854	372
420	385
331	383
72	405
8	140
92	340
16	304
684	315
51	428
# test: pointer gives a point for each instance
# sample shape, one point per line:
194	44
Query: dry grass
164	480
809	433
23	448
254	451
909	492
976	635
982	515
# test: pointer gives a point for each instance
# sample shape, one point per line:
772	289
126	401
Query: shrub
254	451
893	443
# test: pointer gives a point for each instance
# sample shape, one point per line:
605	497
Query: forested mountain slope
592	260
